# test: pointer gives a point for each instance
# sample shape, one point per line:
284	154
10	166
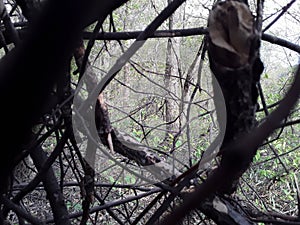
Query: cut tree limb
233	48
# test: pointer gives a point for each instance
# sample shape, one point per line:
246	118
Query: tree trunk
171	108
233	48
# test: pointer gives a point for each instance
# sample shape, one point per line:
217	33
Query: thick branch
55	196
26	72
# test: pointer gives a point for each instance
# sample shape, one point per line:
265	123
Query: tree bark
234	60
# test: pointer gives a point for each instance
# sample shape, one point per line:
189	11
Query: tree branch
239	153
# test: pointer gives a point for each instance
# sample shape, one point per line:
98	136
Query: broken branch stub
233	50
230	27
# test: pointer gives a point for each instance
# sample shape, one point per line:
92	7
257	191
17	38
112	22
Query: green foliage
266	76
273	176
74	206
129	179
138	134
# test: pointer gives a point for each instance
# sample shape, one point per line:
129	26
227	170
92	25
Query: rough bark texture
233	48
